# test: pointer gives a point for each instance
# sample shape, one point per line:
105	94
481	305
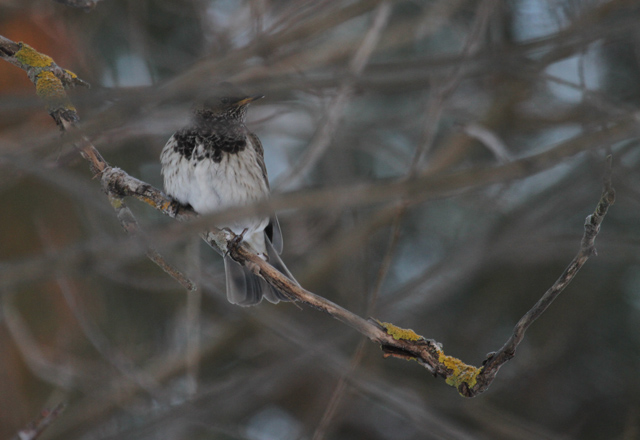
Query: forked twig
587	248
406	344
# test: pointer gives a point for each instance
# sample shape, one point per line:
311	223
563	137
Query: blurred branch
440	95
98	339
64	375
87	5
193	315
489	139
126	367
341	386
333	115
51	81
431	121
33	430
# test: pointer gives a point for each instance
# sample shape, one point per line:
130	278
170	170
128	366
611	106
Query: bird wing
255	141
274	234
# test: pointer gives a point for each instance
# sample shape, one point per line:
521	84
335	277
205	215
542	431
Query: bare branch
50	81
35	428
489	139
335	109
587	248
87	5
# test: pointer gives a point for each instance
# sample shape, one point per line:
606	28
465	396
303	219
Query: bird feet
236	240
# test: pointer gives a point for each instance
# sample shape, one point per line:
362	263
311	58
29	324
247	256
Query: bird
216	163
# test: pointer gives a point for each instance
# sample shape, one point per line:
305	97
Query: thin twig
192	321
341	386
87	5
335	109
64	376
436	103
489	139
587	248
338	393
33	430
92	332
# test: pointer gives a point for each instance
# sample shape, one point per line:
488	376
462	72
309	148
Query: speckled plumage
216	163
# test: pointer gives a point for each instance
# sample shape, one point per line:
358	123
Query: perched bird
217	163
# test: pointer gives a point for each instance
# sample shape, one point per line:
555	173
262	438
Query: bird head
225	101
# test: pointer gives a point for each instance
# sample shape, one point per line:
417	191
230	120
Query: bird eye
225	100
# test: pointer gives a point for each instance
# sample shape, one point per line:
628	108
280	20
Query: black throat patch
215	136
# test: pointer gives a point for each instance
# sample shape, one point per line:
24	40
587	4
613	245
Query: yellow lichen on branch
457	372
50	80
51	90
461	373
30	57
70	73
400	334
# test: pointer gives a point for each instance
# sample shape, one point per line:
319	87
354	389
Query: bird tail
244	288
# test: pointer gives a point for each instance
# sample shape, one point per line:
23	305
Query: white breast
209	186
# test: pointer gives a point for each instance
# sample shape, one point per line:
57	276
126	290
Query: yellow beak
248	99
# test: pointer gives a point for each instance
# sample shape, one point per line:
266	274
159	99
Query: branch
49	78
87	5
35	428
406	344
116	181
587	248
51	81
333	114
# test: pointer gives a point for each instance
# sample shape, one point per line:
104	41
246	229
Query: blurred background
359	94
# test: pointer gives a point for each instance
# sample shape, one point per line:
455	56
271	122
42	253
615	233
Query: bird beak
249	99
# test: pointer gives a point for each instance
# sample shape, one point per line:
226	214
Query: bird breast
208	185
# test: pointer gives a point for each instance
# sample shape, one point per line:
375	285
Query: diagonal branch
33	430
587	248
87	5
51	81
322	139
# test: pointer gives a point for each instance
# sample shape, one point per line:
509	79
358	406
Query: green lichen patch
30	57
400	334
